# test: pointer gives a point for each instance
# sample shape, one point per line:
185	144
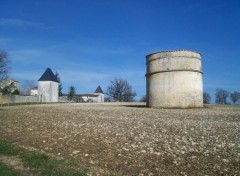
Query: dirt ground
129	139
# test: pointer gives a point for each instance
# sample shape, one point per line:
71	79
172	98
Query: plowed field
129	139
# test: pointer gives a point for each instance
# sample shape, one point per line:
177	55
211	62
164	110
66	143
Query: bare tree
235	97
206	98
4	65
221	96
107	99
5	88
120	90
27	86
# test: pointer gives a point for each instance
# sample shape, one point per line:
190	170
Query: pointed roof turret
48	76
99	90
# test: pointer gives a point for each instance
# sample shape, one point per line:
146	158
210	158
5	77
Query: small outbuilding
34	91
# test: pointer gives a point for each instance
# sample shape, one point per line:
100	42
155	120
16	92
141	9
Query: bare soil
129	139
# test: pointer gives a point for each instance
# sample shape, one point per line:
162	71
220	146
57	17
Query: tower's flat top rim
172	51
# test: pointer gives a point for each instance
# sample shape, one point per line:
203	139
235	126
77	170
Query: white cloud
82	76
28	56
91	47
26	75
4	40
18	23
102	50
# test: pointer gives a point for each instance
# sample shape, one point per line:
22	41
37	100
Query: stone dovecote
174	79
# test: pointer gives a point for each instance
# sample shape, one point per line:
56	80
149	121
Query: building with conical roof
100	94
99	90
48	76
48	87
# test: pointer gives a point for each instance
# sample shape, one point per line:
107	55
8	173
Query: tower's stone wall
48	91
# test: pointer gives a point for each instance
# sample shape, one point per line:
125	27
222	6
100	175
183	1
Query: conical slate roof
98	90
48	76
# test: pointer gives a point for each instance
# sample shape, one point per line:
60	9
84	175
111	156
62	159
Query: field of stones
130	139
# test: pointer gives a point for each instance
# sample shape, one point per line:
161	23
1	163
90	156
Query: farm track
129	139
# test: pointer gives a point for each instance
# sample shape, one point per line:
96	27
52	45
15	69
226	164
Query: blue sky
89	42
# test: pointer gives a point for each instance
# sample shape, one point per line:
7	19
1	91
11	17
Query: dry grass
121	139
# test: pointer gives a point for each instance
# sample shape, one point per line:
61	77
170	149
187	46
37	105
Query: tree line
222	96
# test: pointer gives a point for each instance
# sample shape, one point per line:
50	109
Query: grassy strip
7	171
39	162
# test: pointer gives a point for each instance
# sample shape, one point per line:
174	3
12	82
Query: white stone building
100	94
96	97
48	87
34	91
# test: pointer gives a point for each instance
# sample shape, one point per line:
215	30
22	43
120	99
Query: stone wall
17	99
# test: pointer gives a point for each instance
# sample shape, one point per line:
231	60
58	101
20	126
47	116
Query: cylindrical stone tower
174	79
